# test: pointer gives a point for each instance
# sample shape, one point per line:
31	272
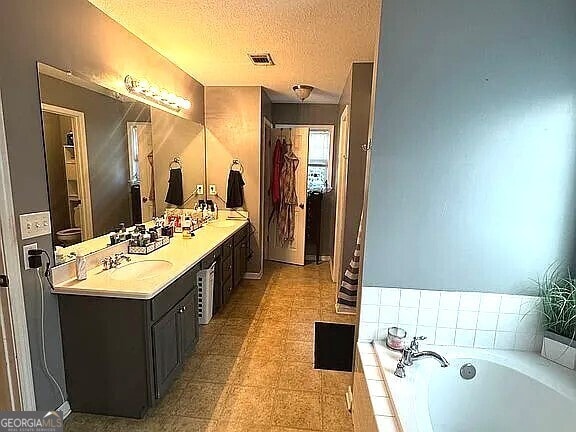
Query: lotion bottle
81	270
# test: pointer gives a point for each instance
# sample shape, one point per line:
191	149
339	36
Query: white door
293	252
142	171
341	182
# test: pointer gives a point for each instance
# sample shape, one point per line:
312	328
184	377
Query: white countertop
182	253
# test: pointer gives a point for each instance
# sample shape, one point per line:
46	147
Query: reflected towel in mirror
175	194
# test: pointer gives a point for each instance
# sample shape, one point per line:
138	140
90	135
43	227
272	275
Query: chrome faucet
114	261
413	353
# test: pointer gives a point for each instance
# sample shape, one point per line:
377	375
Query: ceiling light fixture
302	91
161	96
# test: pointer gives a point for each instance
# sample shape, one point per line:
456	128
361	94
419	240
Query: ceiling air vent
261	59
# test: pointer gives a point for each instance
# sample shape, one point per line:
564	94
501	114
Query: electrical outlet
212	189
26	248
200	189
35	224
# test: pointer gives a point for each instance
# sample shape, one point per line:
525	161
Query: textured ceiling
311	41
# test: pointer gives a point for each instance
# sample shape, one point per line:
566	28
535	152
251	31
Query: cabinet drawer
210	258
227	248
227	268
173	293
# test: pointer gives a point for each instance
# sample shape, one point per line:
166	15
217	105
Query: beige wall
233	131
95	46
176	137
357	93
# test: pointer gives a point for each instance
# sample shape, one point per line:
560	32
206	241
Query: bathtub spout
423	354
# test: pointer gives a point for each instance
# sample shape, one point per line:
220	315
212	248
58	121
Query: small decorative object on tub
395	338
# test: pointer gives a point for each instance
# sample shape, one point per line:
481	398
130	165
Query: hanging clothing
175	194
277	162
348	292
288	198
235	192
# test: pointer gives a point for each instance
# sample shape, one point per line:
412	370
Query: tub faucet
412	353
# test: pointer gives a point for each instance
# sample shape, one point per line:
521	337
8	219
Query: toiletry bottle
112	238
81	267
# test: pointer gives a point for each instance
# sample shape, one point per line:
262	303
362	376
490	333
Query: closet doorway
286	240
67	170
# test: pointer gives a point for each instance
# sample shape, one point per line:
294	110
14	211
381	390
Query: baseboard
349	398
253	276
65	409
323	258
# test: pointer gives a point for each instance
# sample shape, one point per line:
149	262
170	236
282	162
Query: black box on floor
333	346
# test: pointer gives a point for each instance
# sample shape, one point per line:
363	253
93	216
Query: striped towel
348	292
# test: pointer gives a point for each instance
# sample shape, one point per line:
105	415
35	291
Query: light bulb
164	95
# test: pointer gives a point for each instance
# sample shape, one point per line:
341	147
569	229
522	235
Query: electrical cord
47	370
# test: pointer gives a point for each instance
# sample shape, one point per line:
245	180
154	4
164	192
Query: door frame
129	128
81	150
11	257
342	173
329	127
264	203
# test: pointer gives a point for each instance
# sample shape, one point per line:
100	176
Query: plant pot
559	349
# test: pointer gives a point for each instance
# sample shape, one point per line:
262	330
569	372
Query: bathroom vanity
126	334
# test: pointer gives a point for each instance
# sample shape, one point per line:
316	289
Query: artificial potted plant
557	289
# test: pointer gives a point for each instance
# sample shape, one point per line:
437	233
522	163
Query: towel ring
175	163
237	162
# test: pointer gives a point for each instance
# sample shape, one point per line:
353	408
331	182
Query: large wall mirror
108	160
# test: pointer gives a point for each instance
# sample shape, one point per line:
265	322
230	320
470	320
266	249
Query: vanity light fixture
161	96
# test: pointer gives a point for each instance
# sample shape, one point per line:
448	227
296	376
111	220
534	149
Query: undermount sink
222	224
140	270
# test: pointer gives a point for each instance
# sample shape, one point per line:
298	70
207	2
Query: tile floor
252	370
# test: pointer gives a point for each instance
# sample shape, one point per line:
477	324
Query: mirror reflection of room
108	159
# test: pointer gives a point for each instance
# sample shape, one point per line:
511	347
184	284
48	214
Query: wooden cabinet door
189	326
166	351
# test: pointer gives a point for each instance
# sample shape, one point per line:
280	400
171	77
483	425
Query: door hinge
4	281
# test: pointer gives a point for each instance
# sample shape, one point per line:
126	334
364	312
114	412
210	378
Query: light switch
35	225
212	189
200	189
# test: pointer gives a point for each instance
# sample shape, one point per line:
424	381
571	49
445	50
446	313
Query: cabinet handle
184	308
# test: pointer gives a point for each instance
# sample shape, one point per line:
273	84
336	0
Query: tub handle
414	346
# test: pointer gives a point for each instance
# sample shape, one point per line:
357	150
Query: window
319	160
